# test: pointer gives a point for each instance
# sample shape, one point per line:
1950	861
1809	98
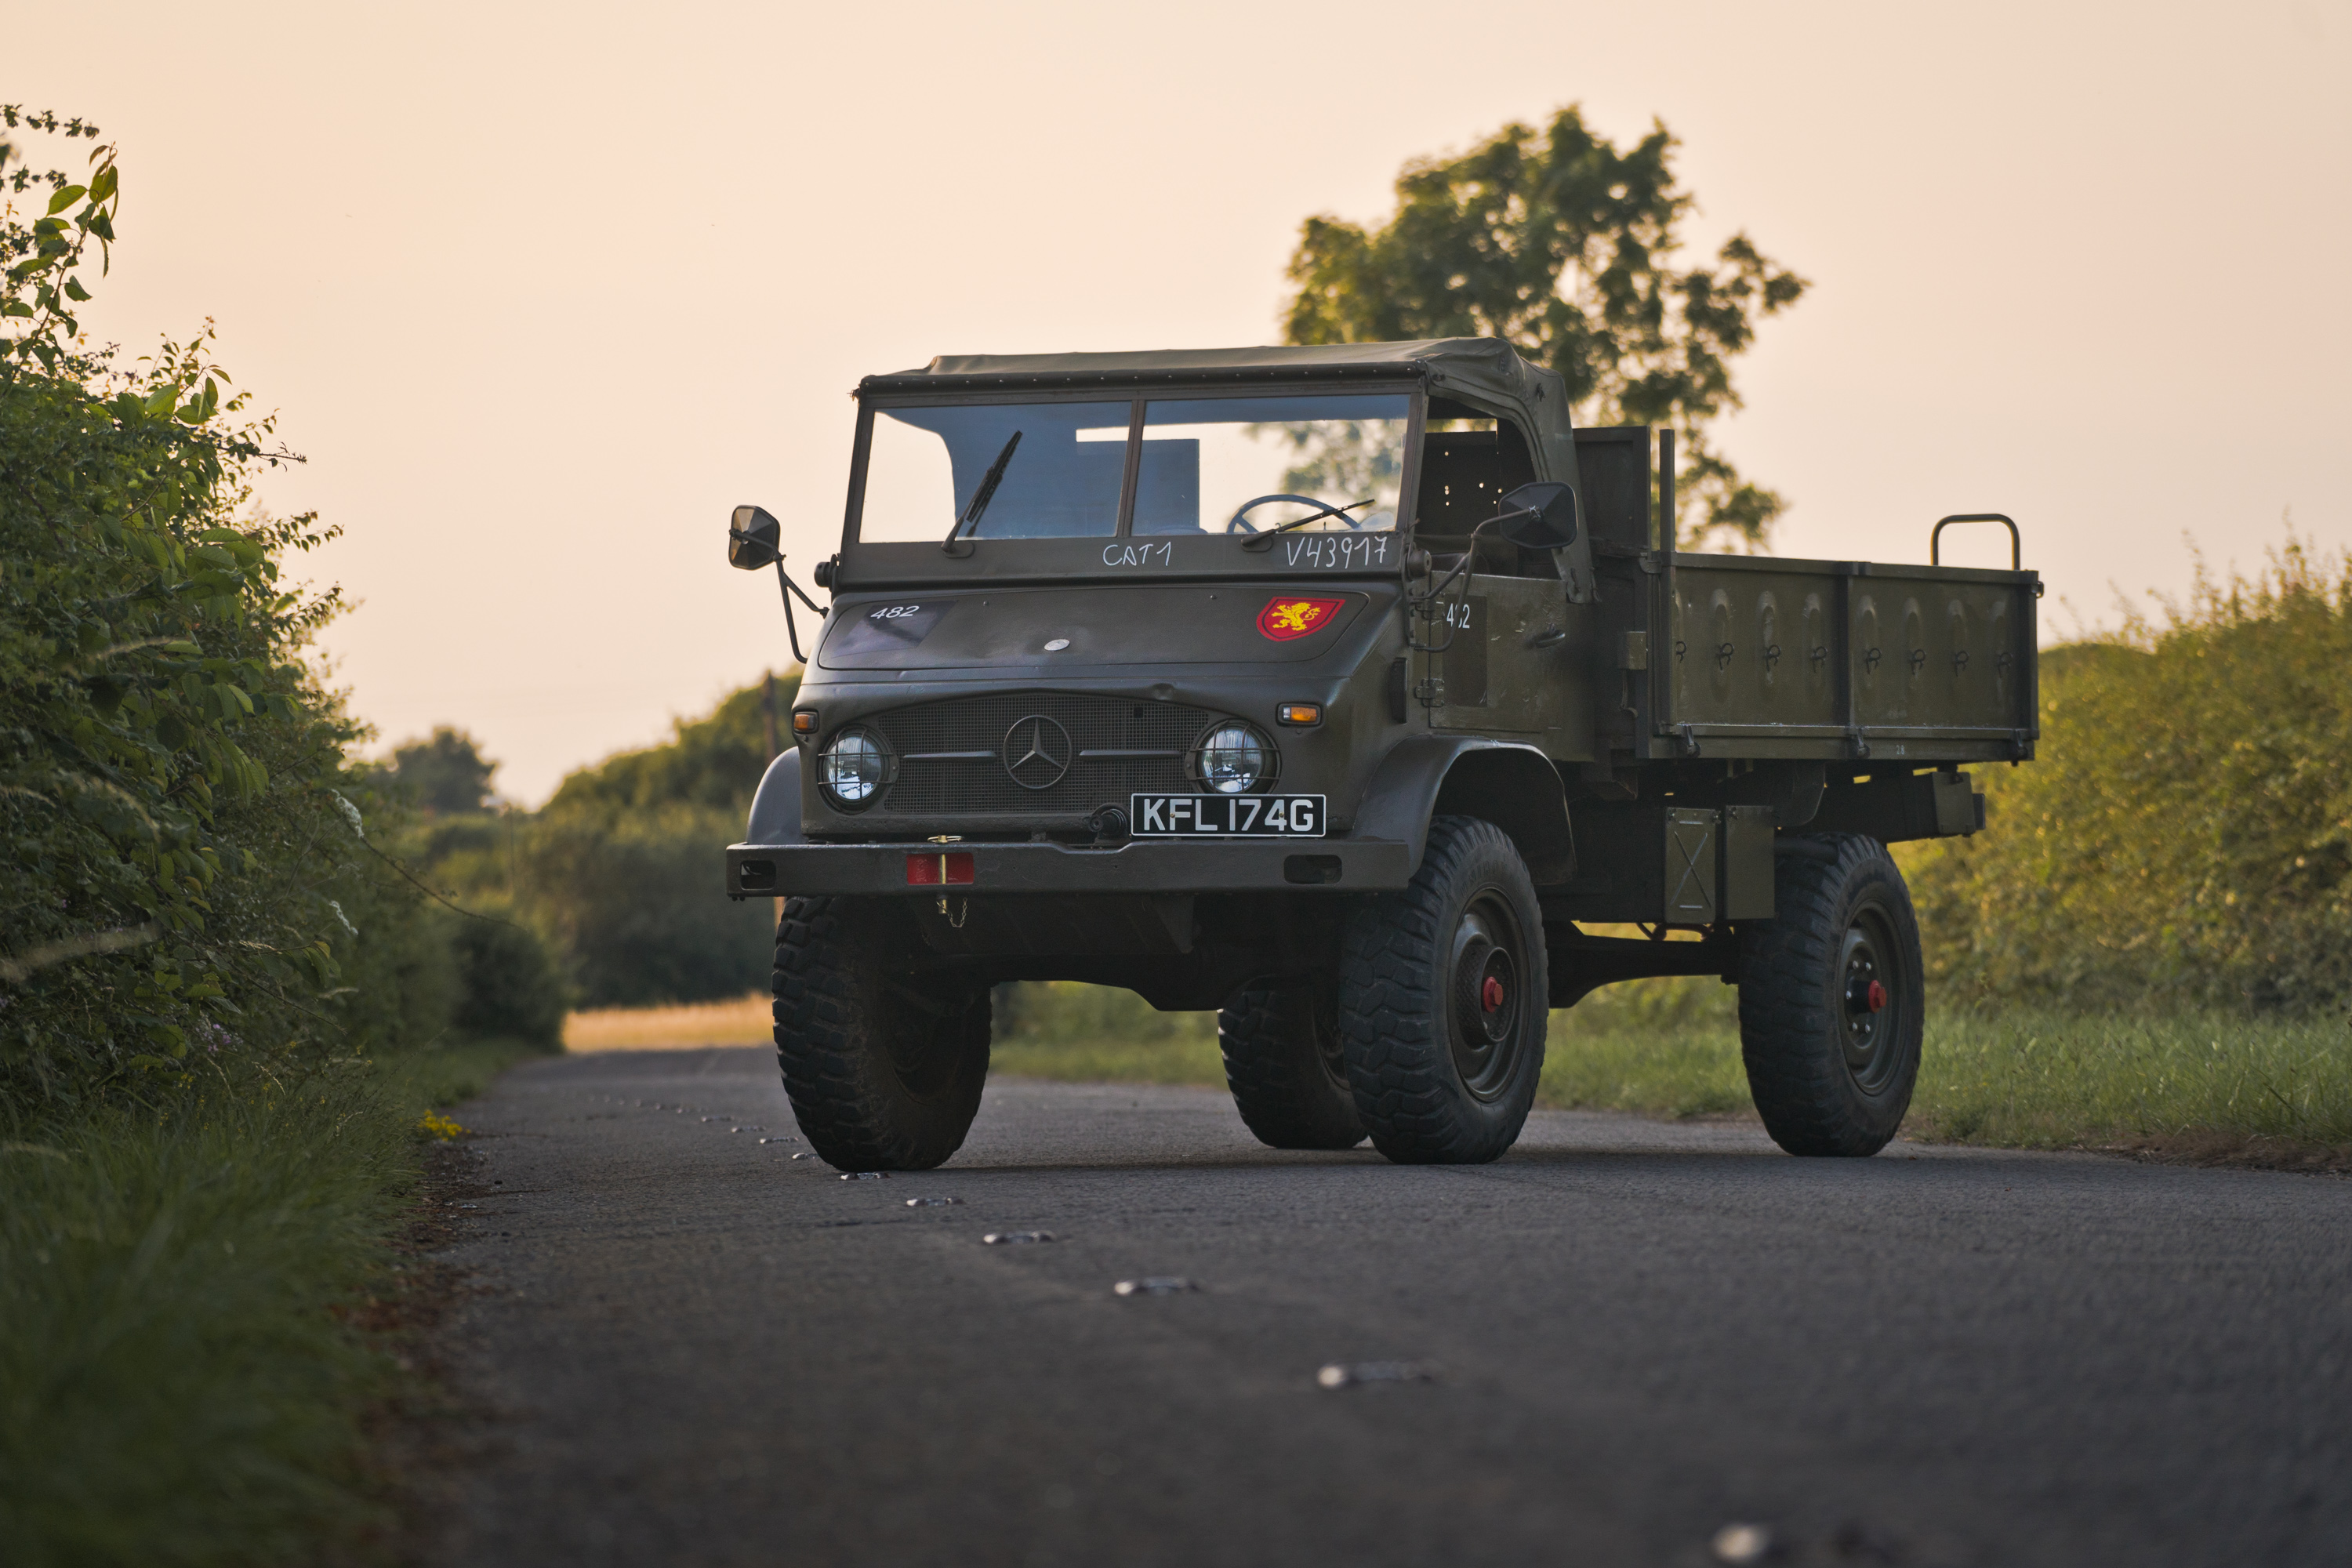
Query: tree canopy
715	761
444	774
1563	245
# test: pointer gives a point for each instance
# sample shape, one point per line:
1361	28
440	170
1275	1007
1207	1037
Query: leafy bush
2185	836
183	883
621	873
636	901
509	987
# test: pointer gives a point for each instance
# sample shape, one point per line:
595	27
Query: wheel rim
1330	1045
1485	1005
1870	1002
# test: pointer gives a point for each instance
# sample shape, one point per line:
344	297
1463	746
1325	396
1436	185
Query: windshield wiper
982	497
1266	540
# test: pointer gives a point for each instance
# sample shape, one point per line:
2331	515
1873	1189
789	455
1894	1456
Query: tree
444	775
714	760
1562	245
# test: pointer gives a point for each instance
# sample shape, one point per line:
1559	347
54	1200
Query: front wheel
884	1062
1443	1001
1287	1067
1833	998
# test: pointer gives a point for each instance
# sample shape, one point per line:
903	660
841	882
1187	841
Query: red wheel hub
1491	993
1876	997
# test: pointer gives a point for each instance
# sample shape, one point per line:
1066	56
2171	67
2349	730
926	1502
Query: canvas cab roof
1480	370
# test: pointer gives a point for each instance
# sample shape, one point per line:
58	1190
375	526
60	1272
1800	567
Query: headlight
853	768
1234	759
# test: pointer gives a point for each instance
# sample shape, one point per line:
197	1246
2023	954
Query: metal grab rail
1936	538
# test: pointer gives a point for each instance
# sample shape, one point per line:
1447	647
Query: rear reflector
939	870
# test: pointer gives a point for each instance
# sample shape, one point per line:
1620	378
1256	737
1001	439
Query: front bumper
1138	865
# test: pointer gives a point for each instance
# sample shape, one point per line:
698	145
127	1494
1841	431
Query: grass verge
179	1382
2211	1087
2199	1085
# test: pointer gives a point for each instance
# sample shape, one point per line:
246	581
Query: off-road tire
1830	1074
883	1064
1284	1063
1408	990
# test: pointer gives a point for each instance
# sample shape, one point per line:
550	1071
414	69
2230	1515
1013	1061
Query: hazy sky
542	291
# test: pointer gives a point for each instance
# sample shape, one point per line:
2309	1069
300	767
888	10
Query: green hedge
2185	836
183	881
217	1001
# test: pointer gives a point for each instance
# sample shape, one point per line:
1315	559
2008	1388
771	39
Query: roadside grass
1189	1059
2195	1083
177	1382
2199	1085
413	1082
1099	1034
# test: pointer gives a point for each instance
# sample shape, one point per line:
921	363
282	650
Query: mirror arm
1437	591
814	608
787	587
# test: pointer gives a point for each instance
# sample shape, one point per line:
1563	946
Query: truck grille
934	785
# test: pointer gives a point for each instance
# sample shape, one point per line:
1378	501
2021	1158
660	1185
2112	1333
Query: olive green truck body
1646	724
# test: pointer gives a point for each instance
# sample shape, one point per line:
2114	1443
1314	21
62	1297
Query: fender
1507	782
776	808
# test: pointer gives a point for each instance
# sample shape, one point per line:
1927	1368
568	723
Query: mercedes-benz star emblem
1036	752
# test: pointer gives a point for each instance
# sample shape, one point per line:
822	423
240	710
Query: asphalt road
700	1350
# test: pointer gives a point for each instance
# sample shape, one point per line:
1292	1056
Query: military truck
1355	694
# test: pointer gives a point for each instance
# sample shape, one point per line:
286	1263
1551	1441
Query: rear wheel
1287	1066
1443	1001
884	1063
1833	998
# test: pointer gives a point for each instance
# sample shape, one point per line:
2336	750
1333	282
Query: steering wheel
1240	523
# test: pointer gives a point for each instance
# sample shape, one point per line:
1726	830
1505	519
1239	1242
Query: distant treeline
620	874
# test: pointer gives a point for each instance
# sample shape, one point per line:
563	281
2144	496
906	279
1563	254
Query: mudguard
776	808
1508	784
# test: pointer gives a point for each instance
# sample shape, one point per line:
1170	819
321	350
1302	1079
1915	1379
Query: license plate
1226	815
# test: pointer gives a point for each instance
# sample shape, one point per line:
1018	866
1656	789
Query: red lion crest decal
1289	616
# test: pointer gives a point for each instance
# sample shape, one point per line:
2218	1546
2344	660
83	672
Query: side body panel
1848	660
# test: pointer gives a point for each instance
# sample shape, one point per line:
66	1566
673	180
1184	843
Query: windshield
928	466
1247	465
1312	462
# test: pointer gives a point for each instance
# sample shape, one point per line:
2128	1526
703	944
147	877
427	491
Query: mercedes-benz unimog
1353	693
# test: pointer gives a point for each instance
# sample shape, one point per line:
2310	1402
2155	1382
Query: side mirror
1540	516
751	539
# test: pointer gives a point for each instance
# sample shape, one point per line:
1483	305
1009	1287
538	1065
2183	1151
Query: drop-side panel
1816	658
1755	647
1929	652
